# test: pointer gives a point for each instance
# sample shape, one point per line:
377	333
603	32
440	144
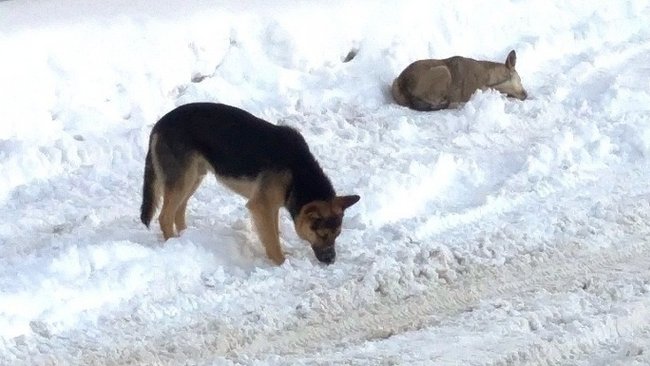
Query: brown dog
428	85
269	165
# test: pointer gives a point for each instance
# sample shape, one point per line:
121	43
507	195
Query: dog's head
319	223
509	82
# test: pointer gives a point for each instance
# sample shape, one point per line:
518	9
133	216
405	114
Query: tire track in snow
630	318
555	273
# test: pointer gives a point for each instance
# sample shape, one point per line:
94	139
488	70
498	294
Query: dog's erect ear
511	60
344	202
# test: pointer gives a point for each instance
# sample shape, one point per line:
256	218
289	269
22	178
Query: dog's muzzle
326	255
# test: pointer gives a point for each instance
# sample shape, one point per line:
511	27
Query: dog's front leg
265	219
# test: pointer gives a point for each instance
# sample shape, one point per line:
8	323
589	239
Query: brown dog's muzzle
325	254
524	95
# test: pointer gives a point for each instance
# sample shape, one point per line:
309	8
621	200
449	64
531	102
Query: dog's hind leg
431	90
172	198
175	202
179	219
178	167
193	181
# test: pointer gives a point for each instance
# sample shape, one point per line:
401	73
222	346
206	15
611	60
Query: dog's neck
496	74
308	183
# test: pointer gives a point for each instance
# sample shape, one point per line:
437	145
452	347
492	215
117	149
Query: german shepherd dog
429	85
269	165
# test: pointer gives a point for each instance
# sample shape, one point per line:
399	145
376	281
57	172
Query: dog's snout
326	255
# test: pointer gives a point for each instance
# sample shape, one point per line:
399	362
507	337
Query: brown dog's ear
346	201
511	60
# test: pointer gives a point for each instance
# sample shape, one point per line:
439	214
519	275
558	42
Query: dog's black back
239	145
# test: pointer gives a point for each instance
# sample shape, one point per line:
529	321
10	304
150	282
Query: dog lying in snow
429	85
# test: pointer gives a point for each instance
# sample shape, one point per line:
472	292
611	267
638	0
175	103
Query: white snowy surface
500	233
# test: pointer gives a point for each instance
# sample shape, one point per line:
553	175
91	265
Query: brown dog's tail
149	192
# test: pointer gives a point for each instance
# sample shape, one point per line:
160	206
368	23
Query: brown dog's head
319	223
509	81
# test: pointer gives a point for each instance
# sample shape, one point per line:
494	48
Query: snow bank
123	64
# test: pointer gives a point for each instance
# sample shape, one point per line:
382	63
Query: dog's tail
150	194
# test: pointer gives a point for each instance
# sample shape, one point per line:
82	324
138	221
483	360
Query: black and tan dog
269	165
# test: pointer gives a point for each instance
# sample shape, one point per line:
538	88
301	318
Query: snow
502	232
